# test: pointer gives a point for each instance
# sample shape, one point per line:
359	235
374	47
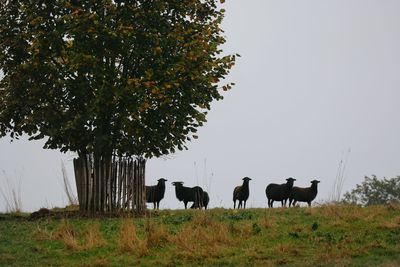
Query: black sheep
205	200
279	192
241	193
155	193
188	194
299	194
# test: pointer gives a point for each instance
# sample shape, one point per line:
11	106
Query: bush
374	191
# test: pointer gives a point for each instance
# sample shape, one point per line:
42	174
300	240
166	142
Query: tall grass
156	234
206	178
67	235
340	178
129	241
93	237
71	238
202	238
11	194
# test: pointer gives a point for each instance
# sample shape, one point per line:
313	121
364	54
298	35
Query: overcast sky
315	80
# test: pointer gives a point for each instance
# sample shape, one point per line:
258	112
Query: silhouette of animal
155	193
188	194
299	194
241	193
205	200
279	192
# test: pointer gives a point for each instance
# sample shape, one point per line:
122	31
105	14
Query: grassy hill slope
320	236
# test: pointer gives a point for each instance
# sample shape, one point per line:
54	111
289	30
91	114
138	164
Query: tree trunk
110	184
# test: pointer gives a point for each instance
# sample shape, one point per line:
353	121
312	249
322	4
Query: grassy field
321	236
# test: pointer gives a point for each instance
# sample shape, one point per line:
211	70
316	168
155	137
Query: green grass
321	236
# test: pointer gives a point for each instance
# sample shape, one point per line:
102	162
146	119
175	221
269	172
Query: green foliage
244	215
314	226
136	77
255	229
373	191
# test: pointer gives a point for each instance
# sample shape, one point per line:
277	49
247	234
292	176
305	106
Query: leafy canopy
373	191
136	77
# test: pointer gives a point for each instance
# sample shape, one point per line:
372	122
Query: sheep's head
315	182
246	179
177	184
290	180
162	180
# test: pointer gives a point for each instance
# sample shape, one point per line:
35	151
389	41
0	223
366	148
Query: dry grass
257	254
393	224
129	241
389	264
267	223
66	234
97	263
156	235
241	230
93	237
201	239
41	234
287	249
345	213
393	206
327	259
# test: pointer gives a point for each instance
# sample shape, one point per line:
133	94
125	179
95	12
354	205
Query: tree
373	191
104	78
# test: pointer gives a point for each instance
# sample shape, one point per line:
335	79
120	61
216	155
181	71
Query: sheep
303	194
187	194
241	193
155	193
205	200
279	192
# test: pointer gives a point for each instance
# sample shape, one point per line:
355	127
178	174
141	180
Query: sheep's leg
309	203
185	202
272	203
154	205
234	204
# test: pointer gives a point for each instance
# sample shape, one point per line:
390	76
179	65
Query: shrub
374	191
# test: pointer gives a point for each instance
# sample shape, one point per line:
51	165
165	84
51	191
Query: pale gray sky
315	79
